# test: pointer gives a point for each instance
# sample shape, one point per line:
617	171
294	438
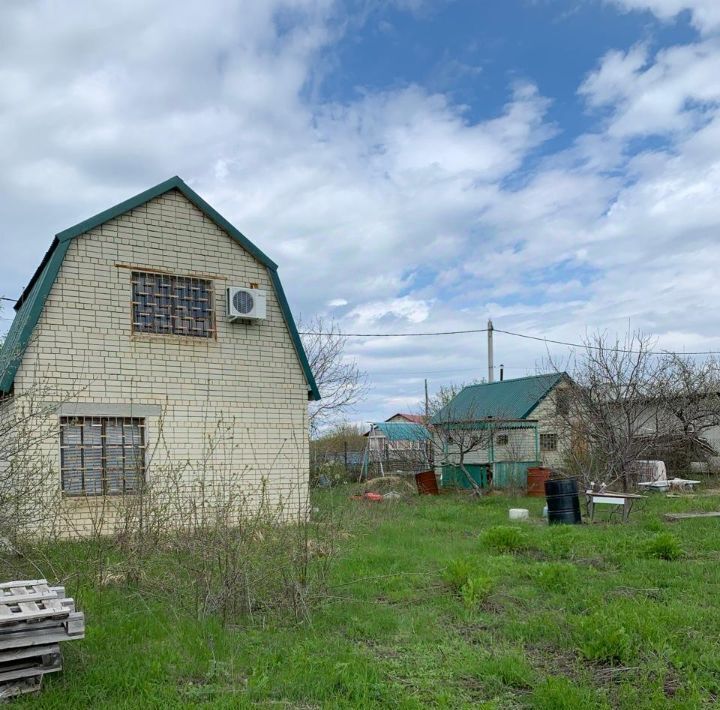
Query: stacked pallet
34	619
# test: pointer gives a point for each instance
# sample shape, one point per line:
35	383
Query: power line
541	339
5	298
395	335
599	347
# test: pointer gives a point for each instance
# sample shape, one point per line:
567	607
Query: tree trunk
476	488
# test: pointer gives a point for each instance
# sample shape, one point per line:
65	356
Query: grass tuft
506	539
664	546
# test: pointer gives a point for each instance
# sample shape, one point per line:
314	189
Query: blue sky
412	165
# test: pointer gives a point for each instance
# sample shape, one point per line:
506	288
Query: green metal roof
509	399
31	302
403	431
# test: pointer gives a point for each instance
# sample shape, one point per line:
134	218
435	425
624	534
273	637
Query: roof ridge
516	379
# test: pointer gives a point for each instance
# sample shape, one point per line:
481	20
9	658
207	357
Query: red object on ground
373	496
427	483
536	481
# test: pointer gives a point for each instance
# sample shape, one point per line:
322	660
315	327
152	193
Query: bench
625	500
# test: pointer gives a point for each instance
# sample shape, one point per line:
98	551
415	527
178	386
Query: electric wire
550	341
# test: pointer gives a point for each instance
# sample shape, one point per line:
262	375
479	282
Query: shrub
506	538
664	546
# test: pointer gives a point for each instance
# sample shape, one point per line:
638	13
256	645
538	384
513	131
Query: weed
457	573
475	590
462	577
506	538
561	694
555	576
664	546
605	640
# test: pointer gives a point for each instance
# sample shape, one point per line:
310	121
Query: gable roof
402	431
32	300
509	399
414	418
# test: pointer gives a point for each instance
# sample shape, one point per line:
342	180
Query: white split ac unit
245	303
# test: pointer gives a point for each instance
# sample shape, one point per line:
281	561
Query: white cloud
406	308
671	93
337	303
705	13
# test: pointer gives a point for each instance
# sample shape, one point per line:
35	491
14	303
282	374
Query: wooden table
626	500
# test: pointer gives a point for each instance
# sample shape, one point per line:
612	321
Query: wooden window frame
181	317
544	437
138	451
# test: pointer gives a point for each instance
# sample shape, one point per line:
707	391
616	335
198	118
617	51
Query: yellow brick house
154	343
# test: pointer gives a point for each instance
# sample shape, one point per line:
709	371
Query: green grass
433	602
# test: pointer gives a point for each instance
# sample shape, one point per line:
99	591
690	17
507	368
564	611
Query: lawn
432	602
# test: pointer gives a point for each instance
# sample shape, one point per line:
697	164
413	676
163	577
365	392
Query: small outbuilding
512	425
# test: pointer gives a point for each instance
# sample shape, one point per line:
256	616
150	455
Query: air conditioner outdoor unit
245	303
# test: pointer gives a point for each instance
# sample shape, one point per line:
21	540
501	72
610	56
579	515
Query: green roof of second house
403	431
31	302
509	399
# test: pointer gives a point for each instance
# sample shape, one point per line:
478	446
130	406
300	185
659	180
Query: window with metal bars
172	305
102	455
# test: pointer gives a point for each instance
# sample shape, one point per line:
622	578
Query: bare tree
693	392
458	431
615	410
27	473
341	382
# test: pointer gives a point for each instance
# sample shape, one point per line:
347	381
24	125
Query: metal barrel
536	478
563	502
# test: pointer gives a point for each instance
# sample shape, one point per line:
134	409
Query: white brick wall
249	377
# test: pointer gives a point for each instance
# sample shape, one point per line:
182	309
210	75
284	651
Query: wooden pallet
38	661
18	687
43	632
34	618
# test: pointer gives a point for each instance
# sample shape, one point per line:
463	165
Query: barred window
548	442
102	455
174	305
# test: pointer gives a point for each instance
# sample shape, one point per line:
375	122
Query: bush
215	553
506	538
664	546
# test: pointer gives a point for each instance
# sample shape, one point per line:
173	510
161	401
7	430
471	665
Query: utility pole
427	404
428	446
491	367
